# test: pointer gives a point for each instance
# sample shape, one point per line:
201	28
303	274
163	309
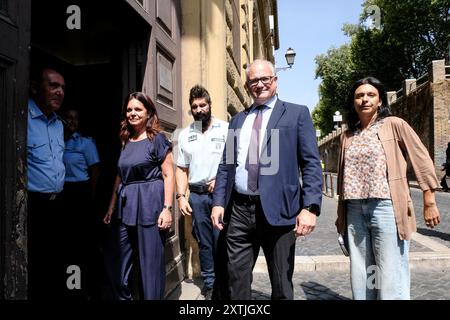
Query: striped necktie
252	163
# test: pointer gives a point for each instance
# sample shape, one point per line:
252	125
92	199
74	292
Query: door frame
15	20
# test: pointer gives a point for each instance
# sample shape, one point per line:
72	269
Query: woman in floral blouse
375	209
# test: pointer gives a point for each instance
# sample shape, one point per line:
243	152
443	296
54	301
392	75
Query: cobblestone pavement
429	284
426	283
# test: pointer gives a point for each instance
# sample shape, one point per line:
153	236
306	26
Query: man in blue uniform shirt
45	181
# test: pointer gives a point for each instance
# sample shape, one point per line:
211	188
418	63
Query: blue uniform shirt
79	155
45	148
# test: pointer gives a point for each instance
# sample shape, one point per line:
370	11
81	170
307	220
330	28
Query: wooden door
14	64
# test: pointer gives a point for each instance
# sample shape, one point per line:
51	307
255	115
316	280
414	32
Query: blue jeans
379	265
205	234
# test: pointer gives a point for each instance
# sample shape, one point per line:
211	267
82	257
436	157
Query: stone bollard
437	70
409	85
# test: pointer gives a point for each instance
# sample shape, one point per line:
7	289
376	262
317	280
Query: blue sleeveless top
140	197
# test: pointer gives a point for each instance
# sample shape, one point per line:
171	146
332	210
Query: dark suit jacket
294	140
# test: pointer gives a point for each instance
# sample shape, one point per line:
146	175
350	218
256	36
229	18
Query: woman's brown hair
152	126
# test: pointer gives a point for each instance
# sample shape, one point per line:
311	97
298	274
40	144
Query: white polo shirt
202	152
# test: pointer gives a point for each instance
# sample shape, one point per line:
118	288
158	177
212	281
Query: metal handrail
422	79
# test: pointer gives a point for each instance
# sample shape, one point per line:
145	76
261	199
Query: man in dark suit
258	195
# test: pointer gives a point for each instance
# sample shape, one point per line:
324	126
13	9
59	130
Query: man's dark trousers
206	235
247	232
46	271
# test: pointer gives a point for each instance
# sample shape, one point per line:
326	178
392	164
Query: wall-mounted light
271	23
290	58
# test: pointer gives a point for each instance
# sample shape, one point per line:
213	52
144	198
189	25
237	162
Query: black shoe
207	293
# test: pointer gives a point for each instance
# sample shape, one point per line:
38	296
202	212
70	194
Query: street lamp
290	58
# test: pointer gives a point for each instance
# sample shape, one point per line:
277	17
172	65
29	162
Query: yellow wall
206	59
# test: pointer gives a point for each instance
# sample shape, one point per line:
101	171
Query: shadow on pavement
259	295
188	289
311	291
315	291
434	233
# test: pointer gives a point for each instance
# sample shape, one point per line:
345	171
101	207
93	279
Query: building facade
219	40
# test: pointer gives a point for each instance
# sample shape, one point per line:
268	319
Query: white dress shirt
243	142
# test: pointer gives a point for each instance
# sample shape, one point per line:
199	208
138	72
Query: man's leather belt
198	188
43	196
247	197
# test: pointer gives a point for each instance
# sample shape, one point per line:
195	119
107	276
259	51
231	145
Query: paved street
321	271
429	284
427	281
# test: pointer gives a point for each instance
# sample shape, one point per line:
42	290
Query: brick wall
416	108
441	96
329	152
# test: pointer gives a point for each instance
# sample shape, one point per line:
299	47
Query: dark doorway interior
97	64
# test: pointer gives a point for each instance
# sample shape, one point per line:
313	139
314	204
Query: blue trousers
147	244
205	234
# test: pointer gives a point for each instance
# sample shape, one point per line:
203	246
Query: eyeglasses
265	81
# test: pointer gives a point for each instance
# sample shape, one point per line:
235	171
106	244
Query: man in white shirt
200	148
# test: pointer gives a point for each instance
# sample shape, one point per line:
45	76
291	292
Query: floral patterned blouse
365	172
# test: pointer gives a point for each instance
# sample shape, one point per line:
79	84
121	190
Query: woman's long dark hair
383	111
152	126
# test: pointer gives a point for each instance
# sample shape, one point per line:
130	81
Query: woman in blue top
81	158
141	203
81	161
